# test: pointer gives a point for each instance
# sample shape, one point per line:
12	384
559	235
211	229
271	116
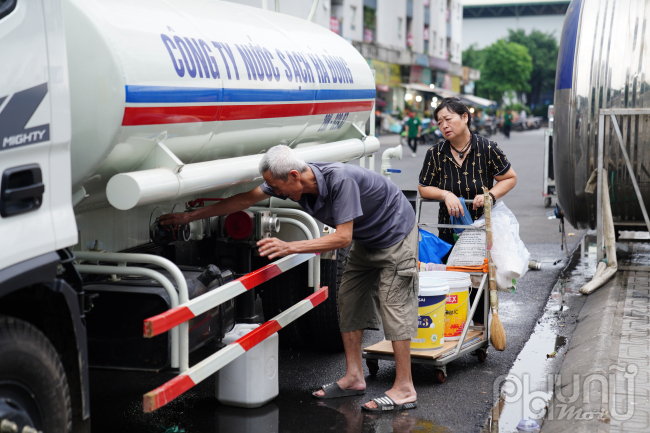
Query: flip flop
386	404
333	390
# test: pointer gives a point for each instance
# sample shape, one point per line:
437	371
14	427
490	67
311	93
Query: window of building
400	20
353	17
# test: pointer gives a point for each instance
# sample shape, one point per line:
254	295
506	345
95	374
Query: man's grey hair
280	160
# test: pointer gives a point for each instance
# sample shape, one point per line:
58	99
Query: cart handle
430	200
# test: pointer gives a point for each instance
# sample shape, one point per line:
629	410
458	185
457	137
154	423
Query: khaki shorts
381	283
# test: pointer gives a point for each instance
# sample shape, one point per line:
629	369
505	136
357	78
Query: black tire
547	202
440	376
281	293
482	355
373	366
33	378
325	317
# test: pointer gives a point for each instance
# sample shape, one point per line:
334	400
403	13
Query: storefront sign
416	74
335	25
368	36
426	76
395	77
381	71
438	63
422	60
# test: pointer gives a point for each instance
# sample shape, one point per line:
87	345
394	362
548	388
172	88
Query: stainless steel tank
602	62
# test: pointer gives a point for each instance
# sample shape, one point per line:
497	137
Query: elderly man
380	280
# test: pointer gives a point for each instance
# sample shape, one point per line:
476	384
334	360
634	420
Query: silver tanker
602	62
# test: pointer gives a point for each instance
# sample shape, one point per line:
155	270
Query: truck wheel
325	317
281	293
33	386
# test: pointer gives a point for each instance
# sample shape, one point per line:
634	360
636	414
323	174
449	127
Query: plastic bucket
457	300
431	314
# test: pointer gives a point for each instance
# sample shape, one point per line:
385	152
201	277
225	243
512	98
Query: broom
497	333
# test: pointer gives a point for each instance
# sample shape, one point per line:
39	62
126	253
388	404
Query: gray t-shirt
382	215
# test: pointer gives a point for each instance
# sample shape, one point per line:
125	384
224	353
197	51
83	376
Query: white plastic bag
509	253
469	249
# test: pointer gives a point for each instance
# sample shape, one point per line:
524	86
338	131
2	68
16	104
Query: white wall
437	28
456	20
389	13
296	8
353	20
486	31
417	26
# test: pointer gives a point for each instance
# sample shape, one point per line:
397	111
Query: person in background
507	123
378	120
413	132
458	169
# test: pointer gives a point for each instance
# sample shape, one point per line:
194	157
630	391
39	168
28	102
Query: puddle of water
525	391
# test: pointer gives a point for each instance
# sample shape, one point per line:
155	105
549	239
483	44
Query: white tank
209	79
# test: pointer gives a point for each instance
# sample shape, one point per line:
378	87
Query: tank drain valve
267	224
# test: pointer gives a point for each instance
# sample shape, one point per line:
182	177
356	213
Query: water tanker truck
115	112
602	64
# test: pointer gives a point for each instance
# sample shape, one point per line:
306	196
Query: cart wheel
373	366
440	376
482	355
547	202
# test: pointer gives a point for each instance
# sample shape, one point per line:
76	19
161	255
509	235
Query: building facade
414	46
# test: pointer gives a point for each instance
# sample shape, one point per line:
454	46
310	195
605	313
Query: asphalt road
461	404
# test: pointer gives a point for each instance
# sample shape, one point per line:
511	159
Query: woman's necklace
462	152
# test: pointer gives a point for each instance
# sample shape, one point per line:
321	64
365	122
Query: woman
459	167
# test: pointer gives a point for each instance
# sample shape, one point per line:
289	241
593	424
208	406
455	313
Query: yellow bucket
457	300
456	314
431	314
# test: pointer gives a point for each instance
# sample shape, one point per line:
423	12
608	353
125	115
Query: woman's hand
479	200
453	205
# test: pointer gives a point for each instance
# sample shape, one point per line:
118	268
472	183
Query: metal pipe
277	5
599	189
305	230
128	190
170	267
631	170
314	227
149	273
471	314
265	6
312	12
393	152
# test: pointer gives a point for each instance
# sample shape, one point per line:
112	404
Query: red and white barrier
165	321
194	375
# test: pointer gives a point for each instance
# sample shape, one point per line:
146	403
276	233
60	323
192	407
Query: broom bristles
497	333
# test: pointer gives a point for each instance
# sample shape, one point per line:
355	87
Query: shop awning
477	100
419	87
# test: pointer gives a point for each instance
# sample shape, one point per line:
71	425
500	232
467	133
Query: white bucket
457	300
431	314
252	379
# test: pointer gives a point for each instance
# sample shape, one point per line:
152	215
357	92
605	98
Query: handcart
474	338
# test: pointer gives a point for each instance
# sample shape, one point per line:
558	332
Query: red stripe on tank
182	114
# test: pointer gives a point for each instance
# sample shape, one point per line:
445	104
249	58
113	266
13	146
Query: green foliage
369	18
506	66
517	107
473	57
543	50
541	110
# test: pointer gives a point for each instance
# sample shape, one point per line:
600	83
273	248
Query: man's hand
273	247
175	219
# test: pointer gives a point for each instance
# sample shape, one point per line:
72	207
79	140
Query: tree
506	66
473	57
543	50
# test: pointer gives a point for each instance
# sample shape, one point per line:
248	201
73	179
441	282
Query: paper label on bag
469	250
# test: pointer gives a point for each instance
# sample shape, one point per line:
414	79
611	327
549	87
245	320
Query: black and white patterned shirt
484	161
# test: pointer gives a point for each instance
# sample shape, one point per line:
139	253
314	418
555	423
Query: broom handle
487	211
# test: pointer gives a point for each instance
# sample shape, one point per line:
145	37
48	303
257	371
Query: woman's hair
455	106
280	160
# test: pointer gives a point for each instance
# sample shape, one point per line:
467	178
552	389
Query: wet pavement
461	404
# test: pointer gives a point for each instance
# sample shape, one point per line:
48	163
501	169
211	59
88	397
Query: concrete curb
592	349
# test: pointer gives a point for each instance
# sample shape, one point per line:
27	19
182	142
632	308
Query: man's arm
224	207
274	247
